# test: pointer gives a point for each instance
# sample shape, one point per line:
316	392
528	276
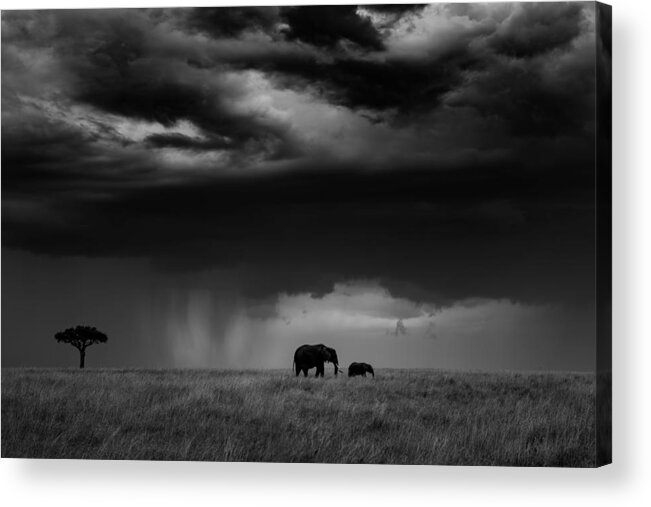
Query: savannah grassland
401	416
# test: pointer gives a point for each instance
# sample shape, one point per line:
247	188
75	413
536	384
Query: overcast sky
413	185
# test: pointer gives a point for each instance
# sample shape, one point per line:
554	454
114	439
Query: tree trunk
82	357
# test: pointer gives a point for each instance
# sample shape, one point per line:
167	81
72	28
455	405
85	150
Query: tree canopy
81	337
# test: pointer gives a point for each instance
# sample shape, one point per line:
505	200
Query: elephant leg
305	372
364	374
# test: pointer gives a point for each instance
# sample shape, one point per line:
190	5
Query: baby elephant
360	369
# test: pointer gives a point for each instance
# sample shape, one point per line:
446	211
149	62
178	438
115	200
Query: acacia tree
81	337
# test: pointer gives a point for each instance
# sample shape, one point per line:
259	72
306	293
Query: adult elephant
315	356
360	369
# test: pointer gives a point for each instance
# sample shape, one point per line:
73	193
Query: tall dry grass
401	416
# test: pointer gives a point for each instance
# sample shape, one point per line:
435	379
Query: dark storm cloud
301	231
43	158
230	22
537	29
328	25
166	93
404	86
42	145
537	103
395	8
214	137
148	97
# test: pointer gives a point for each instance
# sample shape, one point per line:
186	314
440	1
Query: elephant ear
325	351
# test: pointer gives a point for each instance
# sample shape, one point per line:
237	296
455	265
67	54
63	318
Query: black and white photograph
346	234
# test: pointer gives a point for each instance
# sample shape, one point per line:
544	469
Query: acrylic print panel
339	234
